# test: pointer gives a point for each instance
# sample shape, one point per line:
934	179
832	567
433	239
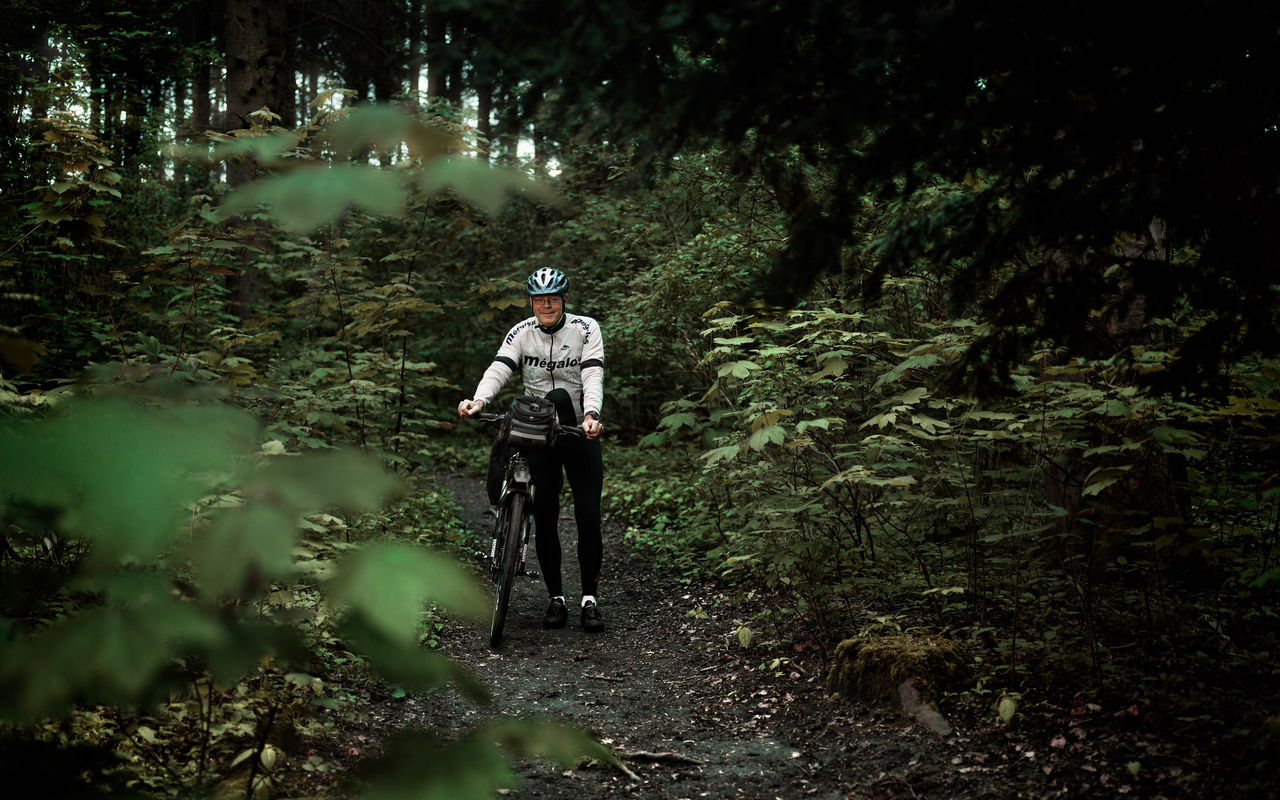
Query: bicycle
530	423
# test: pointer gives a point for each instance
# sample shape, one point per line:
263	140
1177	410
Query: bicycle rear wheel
508	560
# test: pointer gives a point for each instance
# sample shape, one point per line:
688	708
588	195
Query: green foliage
302	192
70	205
1065	521
232	601
420	765
149	530
666	505
303	200
386	584
1088	536
1062	157
112	475
60	241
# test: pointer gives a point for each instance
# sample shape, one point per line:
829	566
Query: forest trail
689	710
640	686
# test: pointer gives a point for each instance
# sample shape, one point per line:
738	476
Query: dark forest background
965	310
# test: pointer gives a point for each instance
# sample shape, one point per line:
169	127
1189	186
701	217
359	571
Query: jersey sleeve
593	369
505	364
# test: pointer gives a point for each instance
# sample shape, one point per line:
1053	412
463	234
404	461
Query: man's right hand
469	408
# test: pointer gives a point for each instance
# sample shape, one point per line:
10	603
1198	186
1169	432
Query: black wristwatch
593	414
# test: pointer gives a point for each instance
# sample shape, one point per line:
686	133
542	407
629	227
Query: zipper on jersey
551	360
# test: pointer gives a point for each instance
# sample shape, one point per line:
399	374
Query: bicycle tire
508	559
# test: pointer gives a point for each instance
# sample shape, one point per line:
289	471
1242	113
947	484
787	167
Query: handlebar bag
531	423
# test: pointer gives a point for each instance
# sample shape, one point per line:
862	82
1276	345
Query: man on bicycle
561	357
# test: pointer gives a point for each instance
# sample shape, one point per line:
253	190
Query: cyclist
559	356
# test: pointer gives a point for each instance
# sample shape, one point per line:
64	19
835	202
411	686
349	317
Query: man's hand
591	427
469	408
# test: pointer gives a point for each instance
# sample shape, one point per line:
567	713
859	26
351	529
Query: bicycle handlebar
498	419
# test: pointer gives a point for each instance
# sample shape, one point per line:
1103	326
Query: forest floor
694	715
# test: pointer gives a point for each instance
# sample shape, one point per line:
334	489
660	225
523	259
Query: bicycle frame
517	479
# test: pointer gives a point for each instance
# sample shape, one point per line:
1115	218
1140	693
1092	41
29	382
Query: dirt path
643	686
661	680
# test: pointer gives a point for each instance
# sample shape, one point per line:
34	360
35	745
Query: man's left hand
591	427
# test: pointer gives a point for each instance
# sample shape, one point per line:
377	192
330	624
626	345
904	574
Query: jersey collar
553	328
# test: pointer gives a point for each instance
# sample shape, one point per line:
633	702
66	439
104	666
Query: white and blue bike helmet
546	281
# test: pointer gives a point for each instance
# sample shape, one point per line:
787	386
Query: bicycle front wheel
508	560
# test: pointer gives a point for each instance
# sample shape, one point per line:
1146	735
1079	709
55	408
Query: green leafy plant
168	554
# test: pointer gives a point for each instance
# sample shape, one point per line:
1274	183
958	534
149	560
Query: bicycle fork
518	480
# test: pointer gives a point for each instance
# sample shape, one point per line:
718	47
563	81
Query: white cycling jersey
569	356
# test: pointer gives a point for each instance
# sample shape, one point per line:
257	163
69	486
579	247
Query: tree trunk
509	127
257	73
484	118
285	80
113	104
385	86
24	36
417	20
181	121
313	88
435	51
39	74
200	101
95	99
140	95
541	148
201	110
457	45
254	32
182	125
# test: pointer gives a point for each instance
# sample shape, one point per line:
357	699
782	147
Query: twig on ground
627	771
605	678
645	755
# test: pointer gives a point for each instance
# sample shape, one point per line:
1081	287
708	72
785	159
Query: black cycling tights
580	459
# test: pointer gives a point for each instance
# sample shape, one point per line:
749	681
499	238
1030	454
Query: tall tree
257	77
257	73
417	20
457	48
484	117
436	40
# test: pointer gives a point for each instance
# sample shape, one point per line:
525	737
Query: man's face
547	308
